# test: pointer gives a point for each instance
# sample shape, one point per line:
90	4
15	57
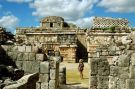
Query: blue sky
26	13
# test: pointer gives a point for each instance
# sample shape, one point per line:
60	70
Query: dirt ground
73	78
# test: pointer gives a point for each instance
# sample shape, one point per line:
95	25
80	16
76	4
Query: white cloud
69	9
121	6
19	1
84	22
9	22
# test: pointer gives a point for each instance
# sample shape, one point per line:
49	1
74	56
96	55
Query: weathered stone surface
123	60
40	57
45	86
52	73
94	66
130	84
121	84
52	84
44	67
62	78
30	66
26	56
38	85
133	59
113	82
103	71
93	81
114	71
32	56
28	48
103	82
21	48
43	78
132	72
19	64
13	55
123	72
20	56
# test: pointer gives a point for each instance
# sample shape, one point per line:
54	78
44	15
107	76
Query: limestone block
19	64
14	49
20	56
133	59
38	85
45	85
130	84
103	64
94	66
121	84
28	49
44	67
21	48
44	78
123	72
52	73
34	49
114	71
52	84
30	66
132	72
93	54
62	69
104	53
5	47
103	71
103	82
32	56
123	60
40	57
93	81
113	82
26	56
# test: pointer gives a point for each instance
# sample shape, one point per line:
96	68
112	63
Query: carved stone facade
53	34
100	22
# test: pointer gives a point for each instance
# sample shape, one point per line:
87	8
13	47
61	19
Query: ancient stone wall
30	60
112	65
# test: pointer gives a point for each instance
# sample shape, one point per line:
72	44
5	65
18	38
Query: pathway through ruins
73	78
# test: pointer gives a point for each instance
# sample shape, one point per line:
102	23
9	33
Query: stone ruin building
52	34
36	56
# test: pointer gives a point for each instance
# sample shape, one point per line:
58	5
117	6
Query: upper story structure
105	22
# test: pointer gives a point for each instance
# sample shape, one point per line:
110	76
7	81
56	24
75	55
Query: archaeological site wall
112	62
31	61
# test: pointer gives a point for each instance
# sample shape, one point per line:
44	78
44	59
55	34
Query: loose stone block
28	49
130	84
114	71
123	60
52	84
40	57
123	72
43	78
45	85
32	56
52	73
44	67
21	48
